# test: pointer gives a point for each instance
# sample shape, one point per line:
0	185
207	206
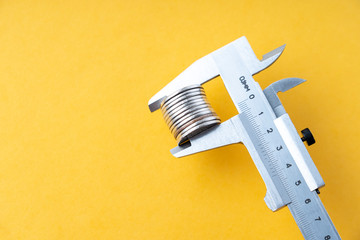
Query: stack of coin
187	113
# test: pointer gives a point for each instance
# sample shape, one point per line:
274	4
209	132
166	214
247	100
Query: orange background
81	157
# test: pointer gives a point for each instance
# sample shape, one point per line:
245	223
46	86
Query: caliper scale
262	125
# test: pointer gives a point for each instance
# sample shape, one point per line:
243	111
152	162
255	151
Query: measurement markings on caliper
263	143
267	138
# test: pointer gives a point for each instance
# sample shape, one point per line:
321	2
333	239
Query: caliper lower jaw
221	135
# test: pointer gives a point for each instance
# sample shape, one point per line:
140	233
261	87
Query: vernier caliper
262	125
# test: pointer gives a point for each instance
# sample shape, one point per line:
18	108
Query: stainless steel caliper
262	125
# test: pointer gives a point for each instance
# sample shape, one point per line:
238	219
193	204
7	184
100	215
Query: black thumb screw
307	137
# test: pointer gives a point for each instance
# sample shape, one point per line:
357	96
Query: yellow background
81	156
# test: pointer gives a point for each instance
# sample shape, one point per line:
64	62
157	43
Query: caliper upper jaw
206	69
198	73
